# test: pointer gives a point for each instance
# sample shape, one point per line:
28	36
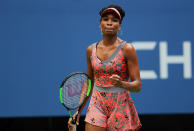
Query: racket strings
75	90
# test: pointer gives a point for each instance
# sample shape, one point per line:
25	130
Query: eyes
114	19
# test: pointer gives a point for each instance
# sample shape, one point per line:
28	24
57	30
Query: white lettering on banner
185	59
166	59
149	45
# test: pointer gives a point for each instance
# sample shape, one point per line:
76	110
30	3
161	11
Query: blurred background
42	41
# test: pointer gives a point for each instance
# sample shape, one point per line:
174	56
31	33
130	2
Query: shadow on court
150	123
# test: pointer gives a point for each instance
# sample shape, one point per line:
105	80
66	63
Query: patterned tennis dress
111	107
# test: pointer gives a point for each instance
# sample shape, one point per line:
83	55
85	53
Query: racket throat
73	120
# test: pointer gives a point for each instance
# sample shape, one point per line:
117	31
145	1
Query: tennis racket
74	90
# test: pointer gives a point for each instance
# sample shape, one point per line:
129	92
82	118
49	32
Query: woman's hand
116	80
71	126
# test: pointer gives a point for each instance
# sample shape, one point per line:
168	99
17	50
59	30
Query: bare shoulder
128	47
129	51
89	50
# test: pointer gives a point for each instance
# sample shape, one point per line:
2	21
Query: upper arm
132	62
89	64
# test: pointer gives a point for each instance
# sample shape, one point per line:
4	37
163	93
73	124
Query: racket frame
78	107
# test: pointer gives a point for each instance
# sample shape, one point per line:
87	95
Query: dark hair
121	11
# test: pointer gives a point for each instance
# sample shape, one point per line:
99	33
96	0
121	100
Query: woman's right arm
90	74
89	65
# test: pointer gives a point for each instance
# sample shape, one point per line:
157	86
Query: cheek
102	24
117	27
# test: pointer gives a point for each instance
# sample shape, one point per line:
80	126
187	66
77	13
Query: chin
110	33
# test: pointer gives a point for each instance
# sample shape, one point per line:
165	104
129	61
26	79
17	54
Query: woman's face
109	24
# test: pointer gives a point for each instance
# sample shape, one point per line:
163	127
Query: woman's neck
109	40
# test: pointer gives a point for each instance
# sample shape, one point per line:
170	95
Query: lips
109	29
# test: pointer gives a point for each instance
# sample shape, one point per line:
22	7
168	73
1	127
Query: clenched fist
116	80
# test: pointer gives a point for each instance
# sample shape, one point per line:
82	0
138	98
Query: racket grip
74	120
74	127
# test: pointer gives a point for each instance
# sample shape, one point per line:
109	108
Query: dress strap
115	53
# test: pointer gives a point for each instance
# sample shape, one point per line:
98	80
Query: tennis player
113	68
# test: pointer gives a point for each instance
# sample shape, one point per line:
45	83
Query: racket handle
74	127
74	120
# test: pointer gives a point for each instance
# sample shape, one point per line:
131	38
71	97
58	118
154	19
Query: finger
113	77
77	119
110	77
70	122
114	83
77	122
117	77
115	80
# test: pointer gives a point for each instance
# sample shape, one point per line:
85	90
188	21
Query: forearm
87	98
134	86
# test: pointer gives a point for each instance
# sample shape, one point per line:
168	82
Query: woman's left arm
133	70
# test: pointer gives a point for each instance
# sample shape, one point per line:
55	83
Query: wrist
121	84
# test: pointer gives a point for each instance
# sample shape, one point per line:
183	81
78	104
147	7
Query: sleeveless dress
111	107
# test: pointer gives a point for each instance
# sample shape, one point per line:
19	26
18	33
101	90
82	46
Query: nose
109	22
